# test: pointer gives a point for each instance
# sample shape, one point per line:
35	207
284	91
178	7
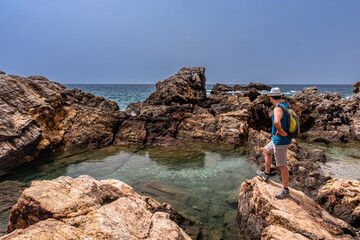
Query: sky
143	41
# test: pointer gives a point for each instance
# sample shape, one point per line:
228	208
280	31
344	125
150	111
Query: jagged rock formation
218	87
357	87
84	208
341	198
327	117
39	116
262	216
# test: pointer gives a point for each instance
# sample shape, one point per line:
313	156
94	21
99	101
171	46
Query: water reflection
196	179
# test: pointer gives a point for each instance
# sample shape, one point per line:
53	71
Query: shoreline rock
262	216
341	197
86	208
40	116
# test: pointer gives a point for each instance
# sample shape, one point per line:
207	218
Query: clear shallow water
343	160
196	180
124	94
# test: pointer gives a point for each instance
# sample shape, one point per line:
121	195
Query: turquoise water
124	94
199	180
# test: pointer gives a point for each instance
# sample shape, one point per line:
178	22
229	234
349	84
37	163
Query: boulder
186	86
262	216
39	116
84	208
341	198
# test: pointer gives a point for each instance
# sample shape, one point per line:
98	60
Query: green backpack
293	122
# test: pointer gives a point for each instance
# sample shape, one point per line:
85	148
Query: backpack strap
288	115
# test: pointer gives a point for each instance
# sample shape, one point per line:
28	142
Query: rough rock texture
327	117
186	86
84	208
341	198
304	168
357	87
262	216
225	88
180	110
39	115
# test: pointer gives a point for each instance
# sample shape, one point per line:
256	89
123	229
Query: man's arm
278	114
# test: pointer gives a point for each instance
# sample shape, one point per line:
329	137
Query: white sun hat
275	92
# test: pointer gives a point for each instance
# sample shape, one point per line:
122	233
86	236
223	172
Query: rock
256	142
187	86
261	215
327	116
40	116
2	73
341	198
86	208
316	155
218	88
357	87
259	86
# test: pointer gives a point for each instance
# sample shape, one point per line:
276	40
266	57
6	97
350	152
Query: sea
199	180
124	94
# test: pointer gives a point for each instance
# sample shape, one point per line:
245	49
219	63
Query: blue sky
143	41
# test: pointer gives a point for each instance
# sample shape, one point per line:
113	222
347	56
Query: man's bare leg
268	160
285	176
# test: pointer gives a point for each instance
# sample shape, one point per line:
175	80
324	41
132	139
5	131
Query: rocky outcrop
39	116
327	117
186	86
84	208
357	87
218	87
341	198
262	216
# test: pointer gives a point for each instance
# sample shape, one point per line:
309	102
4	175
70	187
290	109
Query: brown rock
86	208
316	155
296	216
186	86
39	116
341	198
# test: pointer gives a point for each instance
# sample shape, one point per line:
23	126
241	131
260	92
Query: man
279	144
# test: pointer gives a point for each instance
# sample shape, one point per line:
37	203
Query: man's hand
281	132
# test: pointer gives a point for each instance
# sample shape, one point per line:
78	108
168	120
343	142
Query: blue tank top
280	140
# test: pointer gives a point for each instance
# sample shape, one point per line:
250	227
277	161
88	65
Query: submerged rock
86	208
341	198
262	216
